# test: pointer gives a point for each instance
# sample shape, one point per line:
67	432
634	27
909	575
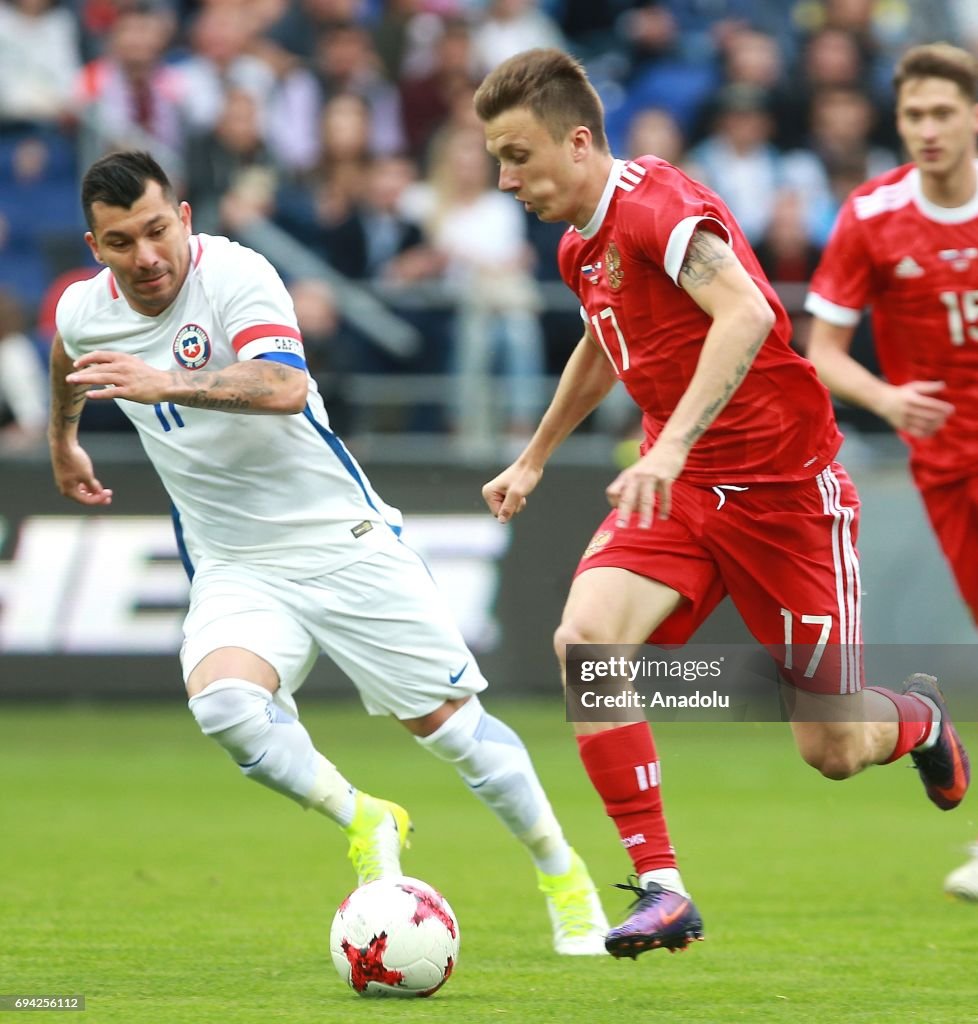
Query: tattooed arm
742	318
73	471
716	281
253	386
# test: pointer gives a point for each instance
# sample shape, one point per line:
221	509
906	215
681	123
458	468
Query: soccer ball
394	937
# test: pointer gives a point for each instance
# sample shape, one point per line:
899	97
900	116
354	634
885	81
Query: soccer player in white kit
290	550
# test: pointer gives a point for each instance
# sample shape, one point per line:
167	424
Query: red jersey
624	267
916	264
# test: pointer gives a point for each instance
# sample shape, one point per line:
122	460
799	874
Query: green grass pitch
139	869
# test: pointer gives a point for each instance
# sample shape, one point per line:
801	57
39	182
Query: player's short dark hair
939	60
552	85
119	179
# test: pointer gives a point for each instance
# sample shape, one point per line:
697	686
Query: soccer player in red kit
737	490
906	244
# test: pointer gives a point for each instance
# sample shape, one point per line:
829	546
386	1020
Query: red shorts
784	552
953	512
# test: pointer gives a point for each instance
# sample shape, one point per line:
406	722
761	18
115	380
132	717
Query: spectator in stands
594	30
404	35
322	213
219	59
789	257
231	165
428	100
38	214
300	26
755	59
654	131
830	57
23	381
395	249
738	159
509	27
40	57
752	58
228	52
130	96
841	139
650	33
885	30
346	62
96	19
399	262
659	72
345	130
482	234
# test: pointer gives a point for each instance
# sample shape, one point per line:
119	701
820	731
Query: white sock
331	794
547	846
935	723
494	764
668	878
271	746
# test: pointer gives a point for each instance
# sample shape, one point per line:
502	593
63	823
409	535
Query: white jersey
278	492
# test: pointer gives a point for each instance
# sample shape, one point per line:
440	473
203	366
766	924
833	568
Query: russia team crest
612	262
192	347
597	542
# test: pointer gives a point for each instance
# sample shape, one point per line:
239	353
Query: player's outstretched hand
75	476
506	494
912	408
119	375
646	486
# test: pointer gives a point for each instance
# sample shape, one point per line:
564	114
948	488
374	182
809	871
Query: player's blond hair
552	85
939	60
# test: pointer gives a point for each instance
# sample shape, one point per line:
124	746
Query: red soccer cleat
944	768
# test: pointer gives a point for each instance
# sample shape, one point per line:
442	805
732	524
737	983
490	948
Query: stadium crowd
338	137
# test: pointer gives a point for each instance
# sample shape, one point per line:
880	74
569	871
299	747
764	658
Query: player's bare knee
836	760
569	632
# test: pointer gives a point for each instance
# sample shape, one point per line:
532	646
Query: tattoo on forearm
75	403
202	400
706	256
710	413
226	392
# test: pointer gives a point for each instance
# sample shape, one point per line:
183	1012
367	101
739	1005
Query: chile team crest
192	347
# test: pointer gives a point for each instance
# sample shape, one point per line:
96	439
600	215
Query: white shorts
382	620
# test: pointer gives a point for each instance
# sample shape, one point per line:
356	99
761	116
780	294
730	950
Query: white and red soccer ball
395	937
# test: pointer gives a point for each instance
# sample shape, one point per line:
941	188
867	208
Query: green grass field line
139	869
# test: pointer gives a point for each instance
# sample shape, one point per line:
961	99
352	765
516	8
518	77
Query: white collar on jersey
942	214
593	225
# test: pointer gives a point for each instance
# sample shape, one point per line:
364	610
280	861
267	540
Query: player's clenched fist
506	494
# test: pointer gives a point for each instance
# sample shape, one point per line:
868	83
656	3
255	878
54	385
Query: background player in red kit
737	468
906	243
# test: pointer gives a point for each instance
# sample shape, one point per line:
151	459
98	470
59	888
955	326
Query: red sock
624	768
914	719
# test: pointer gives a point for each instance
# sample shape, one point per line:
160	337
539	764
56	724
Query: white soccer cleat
377	834
963	881
579	924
